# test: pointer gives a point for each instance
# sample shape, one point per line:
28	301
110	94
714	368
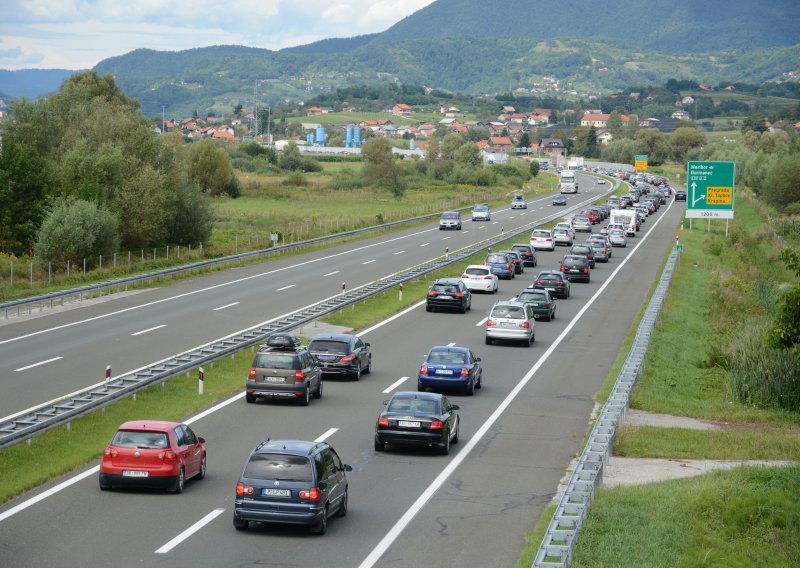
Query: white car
542	239
601	180
617	238
562	237
567	227
480	278
481	213
519	203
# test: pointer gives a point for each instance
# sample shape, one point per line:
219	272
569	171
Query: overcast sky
78	34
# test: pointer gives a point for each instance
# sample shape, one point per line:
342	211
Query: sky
78	34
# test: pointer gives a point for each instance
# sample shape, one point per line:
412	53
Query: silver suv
284	369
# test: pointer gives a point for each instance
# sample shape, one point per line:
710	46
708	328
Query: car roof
447	281
291	447
332	337
449	348
418	395
520	245
508	303
483	266
549	272
154	425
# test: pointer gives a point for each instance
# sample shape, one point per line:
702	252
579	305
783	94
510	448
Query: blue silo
349	137
357	137
320	136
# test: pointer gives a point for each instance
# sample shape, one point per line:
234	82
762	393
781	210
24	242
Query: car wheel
250	398
420	387
306	396
342	512
368	370
469	390
357	374
469	305
322	525
380	445
463	308
240	524
428	308
105	486
202	473
488	341
180	482
455	436
549	318
318	392
445	449
495	289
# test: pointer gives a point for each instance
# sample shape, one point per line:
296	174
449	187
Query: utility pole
255	111
162	119
269	125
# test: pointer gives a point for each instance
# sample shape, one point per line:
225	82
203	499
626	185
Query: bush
194	217
462	174
485	177
311	165
75	229
296	179
244	164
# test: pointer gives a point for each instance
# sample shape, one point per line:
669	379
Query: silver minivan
513	321
450	220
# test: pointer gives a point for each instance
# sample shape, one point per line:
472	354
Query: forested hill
669	26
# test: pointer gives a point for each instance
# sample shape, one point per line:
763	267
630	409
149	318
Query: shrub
296	179
75	229
244	164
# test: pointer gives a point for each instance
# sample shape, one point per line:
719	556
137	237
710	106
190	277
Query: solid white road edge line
226	306
37	364
190	531
437	483
330	432
149	329
394	385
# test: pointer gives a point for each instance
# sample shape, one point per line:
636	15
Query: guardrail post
108	372
400	297
201	379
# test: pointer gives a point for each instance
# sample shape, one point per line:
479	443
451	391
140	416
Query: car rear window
521	248
581	249
415	405
574	260
497	258
531	297
549	276
446	357
446	288
276	361
508	312
541	233
140	440
328	346
477	271
279	467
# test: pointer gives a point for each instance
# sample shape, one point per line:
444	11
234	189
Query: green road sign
709	186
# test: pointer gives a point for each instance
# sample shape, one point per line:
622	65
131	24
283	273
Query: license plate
550	289
535	304
575	270
507	324
444	297
408	424
130	473
444	372
273	379
269	492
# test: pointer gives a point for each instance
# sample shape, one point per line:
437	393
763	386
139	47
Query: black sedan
554	282
448	293
680	195
341	354
418	419
559	200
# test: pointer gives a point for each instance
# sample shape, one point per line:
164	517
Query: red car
593	216
152	453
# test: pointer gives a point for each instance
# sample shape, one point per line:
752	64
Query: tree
469	154
785	333
291	159
524	141
24	185
75	229
782	186
146	207
380	167
194	217
651	141
614	123
756	122
591	143
450	145
534	168
211	169
683	140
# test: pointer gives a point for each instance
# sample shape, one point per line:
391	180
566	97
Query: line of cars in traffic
306	483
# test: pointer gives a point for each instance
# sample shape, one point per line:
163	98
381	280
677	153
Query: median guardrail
53	415
562	533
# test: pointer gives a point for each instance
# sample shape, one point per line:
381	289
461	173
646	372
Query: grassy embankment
23	467
742	517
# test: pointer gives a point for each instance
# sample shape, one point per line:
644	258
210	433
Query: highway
407	508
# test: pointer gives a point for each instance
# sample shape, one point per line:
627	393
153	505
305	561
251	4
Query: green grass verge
738	518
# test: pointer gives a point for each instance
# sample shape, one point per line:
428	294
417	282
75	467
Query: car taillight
548	239
252	373
383	421
491	323
585	270
110	452
348	358
432	294
545	305
508	266
464	276
464	372
312	494
437	425
458	295
299	376
242	490
562	268
424	370
489	277
167	456
525	325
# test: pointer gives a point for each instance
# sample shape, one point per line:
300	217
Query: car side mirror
322	485
454	407
478	359
385	402
366	344
347	467
201	439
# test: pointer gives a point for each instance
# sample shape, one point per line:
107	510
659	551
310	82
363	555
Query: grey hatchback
283	369
291	482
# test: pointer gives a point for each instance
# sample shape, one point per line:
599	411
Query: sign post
640	162
710	188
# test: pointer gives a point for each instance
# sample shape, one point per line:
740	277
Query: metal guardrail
120	283
63	412
562	533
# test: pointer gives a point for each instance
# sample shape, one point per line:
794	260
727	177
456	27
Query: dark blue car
451	367
501	264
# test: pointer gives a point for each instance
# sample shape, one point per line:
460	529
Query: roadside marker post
201	380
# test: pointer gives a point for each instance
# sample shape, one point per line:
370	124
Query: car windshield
278	467
497	258
140	440
446	357
450	215
481	209
328	346
413	405
276	361
508	312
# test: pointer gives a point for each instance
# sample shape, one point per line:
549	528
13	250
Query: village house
604	137
401	109
552	146
501	143
313	111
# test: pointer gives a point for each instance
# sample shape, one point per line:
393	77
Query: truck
625	217
575	164
568	183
